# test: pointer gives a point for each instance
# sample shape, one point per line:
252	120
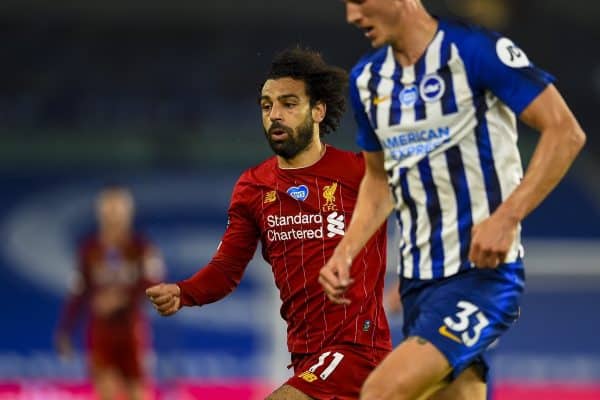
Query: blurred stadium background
161	96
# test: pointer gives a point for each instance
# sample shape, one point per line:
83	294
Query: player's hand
491	240
64	347
166	298
335	277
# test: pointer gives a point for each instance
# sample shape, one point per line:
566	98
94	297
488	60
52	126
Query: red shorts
122	350
335	373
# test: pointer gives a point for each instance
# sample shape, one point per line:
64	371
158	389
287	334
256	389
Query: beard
293	143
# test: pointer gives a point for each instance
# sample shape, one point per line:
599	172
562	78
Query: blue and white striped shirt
447	127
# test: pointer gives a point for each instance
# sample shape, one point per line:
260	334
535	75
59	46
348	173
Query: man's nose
275	114
353	14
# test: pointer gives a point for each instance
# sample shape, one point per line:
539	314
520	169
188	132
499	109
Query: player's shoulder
467	36
352	157
346	162
254	179
140	240
259	173
88	242
374	56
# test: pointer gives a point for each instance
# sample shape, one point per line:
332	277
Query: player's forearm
556	150
213	282
373	206
208	285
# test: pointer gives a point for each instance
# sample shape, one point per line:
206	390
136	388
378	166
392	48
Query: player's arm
561	139
211	283
77	297
373	206
224	271
497	64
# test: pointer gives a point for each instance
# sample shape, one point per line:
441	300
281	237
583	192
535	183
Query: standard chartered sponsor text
274	235
304	220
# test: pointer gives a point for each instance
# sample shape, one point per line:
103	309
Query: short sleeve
497	64
366	138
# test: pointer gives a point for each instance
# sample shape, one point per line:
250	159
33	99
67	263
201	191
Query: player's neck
309	156
411	39
114	237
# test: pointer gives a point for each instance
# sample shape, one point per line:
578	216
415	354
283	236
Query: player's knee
371	390
379	394
463	388
287	392
374	389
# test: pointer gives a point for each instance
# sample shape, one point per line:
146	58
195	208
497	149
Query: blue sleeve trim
365	136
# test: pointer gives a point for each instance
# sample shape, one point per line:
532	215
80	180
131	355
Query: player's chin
376	40
340	300
278	146
376	44
488	264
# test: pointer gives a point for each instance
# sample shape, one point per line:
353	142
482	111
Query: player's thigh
129	357
463	315
414	369
135	390
336	372
469	385
107	383
287	392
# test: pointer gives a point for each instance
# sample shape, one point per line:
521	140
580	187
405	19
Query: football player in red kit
115	266
298	204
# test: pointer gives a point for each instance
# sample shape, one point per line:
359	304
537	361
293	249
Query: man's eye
265	107
290	105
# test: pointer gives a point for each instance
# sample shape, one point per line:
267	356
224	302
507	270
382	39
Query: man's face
115	210
376	18
286	116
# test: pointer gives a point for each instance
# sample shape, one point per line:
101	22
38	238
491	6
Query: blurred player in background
297	204
436	106
115	266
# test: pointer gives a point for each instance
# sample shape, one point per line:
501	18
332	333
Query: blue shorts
464	314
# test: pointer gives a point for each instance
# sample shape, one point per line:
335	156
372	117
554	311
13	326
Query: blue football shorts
463	315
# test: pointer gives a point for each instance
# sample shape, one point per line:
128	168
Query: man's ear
318	112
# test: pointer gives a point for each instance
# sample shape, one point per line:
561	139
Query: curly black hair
324	83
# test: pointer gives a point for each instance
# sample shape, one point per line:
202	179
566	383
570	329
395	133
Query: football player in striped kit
436	105
297	205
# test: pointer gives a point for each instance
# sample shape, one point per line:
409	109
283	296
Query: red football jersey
299	216
110	285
